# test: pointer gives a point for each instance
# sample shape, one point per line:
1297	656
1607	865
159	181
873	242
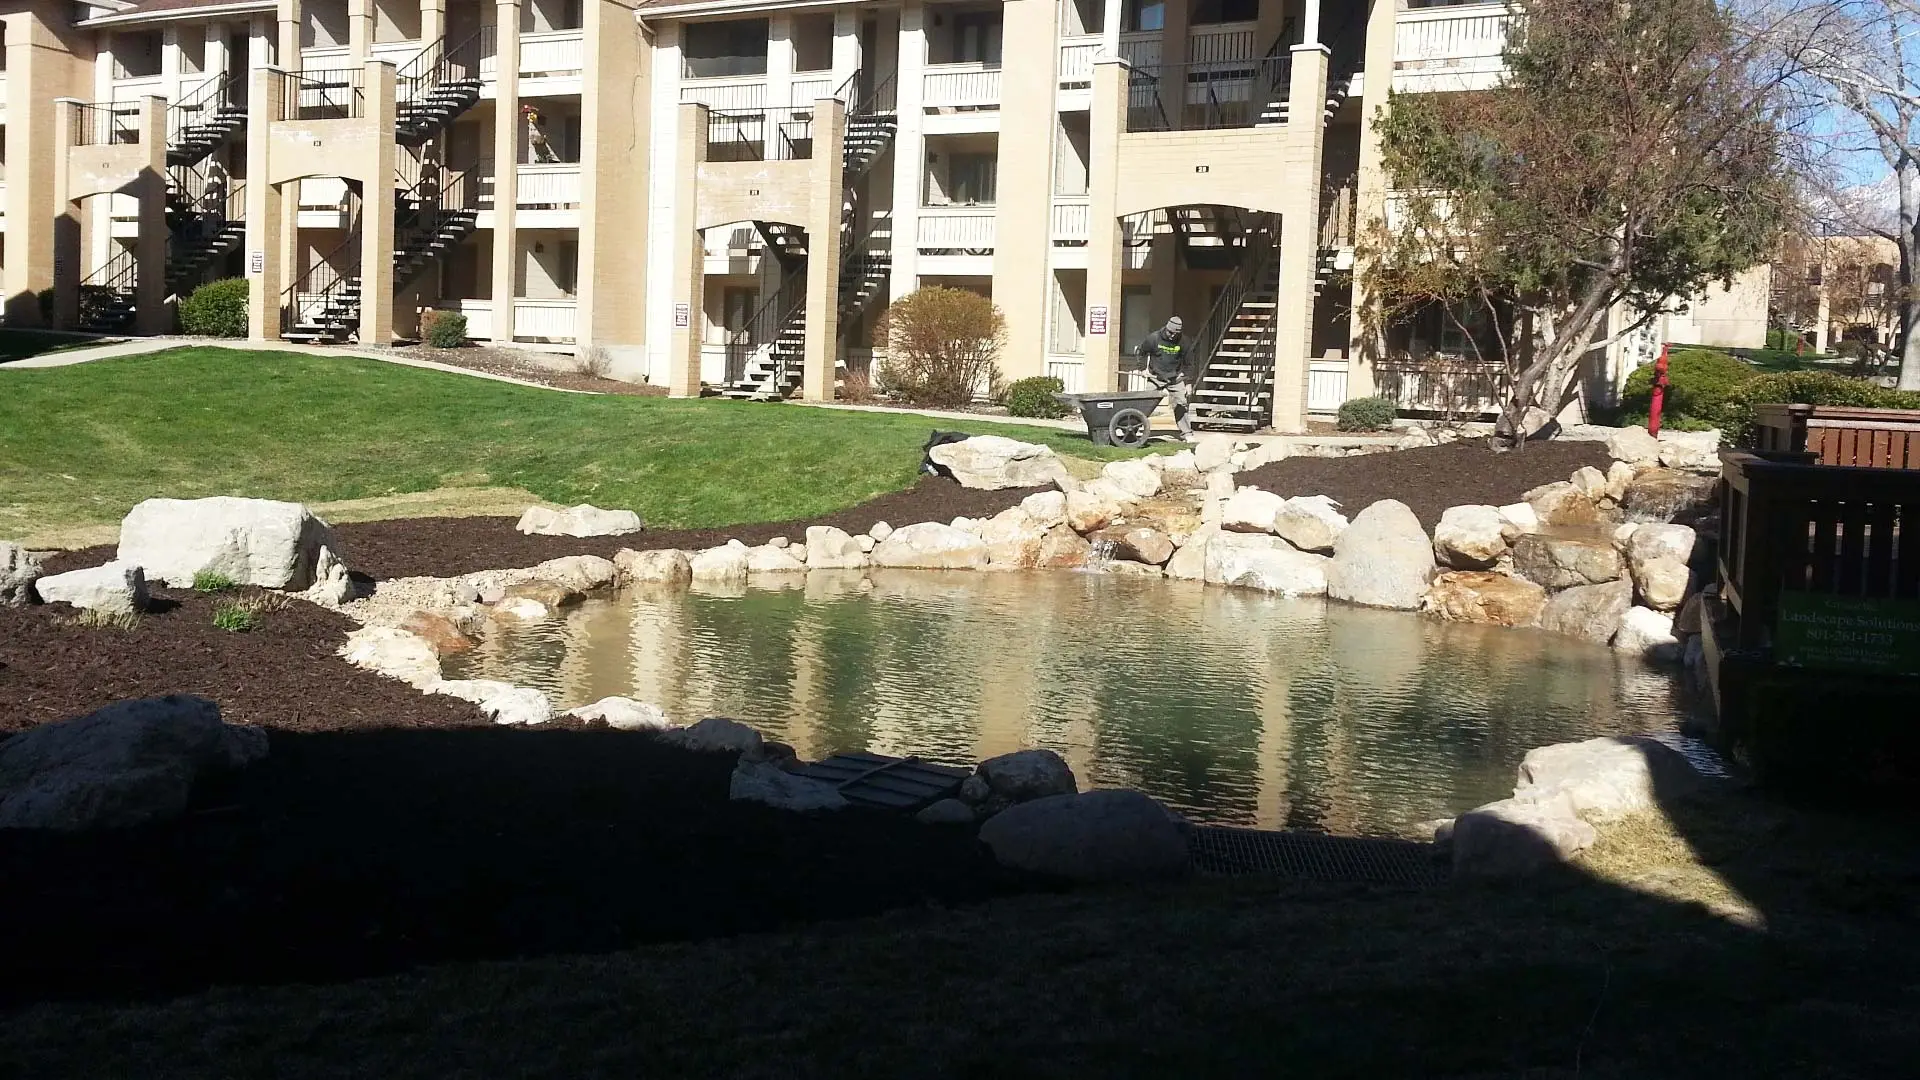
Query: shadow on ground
1729	936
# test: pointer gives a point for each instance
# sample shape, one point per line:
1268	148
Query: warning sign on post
682	315
1097	320
256	262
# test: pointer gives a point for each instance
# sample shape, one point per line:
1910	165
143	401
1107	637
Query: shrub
235	617
593	361
1784	340
1699	384
211	581
856	388
95	619
1034	397
942	346
444	329
216	309
1808	388
1366	414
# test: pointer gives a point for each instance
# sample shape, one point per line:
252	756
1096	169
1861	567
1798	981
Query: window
976	37
1453	340
1136	316
1144	15
813	43
737	304
136	56
1070	157
717	50
1225	11
971	177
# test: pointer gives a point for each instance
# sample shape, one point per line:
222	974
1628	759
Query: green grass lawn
80	445
20	344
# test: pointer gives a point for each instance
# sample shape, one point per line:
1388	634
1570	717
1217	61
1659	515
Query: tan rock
1088	512
1562	504
1485	598
437	631
549	594
663	566
1064	549
1139	544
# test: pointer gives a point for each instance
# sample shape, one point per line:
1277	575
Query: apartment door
737	305
976	37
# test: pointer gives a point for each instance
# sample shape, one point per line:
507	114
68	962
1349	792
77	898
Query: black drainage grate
1220	851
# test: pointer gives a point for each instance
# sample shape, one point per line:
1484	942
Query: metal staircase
205	222
1347	51
205	118
436	86
1233	389
766	365
107	295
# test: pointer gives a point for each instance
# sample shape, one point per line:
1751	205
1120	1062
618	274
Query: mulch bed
387	828
509	363
1431	478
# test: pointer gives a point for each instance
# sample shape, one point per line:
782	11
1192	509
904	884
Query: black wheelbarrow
1117	419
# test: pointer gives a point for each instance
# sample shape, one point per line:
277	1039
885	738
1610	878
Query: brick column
506	171
689	254
1022	217
376	208
65	251
266	251
823	250
150	247
1105	244
1370	190
909	151
40	69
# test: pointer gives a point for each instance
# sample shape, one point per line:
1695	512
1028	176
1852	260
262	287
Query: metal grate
1219	851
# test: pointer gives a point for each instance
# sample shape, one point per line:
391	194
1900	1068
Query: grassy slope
82	444
1743	941
20	344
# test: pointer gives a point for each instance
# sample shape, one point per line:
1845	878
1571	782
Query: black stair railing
106	295
442	80
338	94
1247	277
762	328
205	117
327	293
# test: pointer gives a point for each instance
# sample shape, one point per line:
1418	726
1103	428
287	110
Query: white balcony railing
135	89
808	89
1141	48
555	186
3	89
556	52
968	229
1069	218
1222	41
950	86
1470	37
327	58
727	95
397	53
1076	60
543	320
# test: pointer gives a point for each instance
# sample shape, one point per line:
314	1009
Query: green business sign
1848	632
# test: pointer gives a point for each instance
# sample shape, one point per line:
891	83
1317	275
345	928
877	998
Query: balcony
554	54
533	320
809	87
962	229
1450	48
1070	214
1076	61
735	93
970	85
547	196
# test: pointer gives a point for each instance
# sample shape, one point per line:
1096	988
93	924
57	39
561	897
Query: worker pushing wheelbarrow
1125	419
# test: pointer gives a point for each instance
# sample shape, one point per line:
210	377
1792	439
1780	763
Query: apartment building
722	195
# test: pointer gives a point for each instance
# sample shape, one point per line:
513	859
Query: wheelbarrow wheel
1128	428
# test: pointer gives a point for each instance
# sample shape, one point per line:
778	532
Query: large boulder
726	563
1046	508
1267	563
993	461
437	630
1562	560
275	545
1589	612
332	583
503	702
1691	451
1563	504
1310	523
1028	774
1471	537
1063	549
1137	478
1486	598
582	520
665	566
1098	836
18	571
767	783
829	548
1518	836
1384	559
1013	540
1606	778
1658	495
932	546
1251	510
1088	512
1189	563
1140	544
116	588
395	653
581	573
1212	452
623	714
1619	475
768	559
1633	445
1590	482
127	764
717	735
1660	557
1647	633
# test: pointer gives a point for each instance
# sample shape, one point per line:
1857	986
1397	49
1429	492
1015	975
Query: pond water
1233	706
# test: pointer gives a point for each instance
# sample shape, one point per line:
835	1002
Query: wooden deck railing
1790	523
1841	435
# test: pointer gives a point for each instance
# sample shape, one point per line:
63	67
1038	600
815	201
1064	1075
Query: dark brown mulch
386	828
1431	478
498	362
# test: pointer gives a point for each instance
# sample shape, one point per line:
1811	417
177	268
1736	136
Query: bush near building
1365	414
943	347
216	309
1699	384
444	329
1034	397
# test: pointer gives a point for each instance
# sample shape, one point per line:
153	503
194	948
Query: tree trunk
1909	342
1548	378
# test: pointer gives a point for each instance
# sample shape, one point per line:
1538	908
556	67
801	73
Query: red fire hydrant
1659	391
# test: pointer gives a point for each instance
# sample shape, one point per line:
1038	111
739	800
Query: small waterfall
1100	556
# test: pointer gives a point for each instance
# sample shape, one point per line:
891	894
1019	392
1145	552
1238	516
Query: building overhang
693	9
127	15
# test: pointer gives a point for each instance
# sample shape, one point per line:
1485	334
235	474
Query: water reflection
1233	706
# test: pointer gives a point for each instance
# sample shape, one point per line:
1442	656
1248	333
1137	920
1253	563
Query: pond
1230	705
